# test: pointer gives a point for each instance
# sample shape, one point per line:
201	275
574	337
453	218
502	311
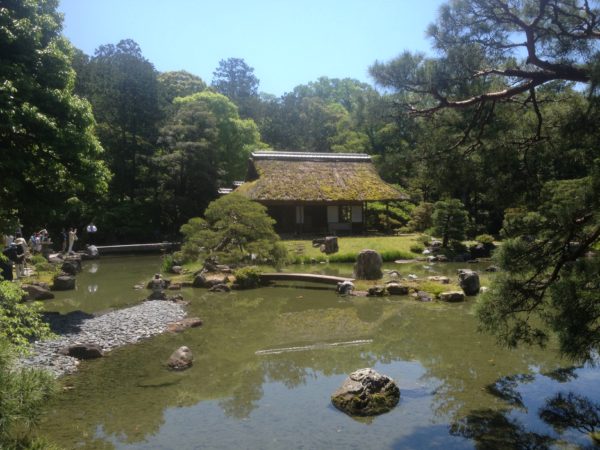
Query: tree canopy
50	152
234	229
504	98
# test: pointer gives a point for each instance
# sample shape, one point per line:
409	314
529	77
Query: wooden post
387	216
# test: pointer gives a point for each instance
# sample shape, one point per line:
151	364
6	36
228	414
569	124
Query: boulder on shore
344	287
63	283
469	281
395	288
366	393
368	265
36	292
376	291
181	359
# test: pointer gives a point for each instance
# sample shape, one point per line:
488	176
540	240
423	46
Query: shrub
393	255
420	217
377	215
417	248
168	261
450	220
45	267
485	239
20	322
235	229
424	239
23	394
37	259
247	277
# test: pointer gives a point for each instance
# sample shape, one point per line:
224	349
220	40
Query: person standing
21	254
72	239
64	237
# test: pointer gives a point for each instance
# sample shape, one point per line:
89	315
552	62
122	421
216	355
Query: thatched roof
315	177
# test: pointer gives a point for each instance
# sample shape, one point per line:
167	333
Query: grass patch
433	287
390	248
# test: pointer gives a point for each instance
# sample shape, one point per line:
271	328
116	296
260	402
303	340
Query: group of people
38	239
16	250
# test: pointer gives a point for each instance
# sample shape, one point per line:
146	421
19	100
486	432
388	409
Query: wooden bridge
135	248
306	277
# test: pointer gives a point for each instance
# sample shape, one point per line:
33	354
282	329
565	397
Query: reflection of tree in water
572	411
246	396
493	429
506	388
563	374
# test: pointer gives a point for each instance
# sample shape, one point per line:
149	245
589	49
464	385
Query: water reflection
451	378
572	417
572	411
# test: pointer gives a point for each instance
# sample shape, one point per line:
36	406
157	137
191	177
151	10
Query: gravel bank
110	330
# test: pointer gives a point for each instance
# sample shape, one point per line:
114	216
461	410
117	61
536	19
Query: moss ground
390	248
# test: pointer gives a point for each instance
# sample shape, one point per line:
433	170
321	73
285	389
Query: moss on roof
316	181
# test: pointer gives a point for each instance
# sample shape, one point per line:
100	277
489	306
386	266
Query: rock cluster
107	331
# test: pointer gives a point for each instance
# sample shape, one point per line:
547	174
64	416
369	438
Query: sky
287	42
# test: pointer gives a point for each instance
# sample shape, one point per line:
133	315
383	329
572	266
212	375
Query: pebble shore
109	331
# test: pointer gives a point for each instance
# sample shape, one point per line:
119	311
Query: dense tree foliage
449	219
507	127
205	145
234	229
236	80
50	155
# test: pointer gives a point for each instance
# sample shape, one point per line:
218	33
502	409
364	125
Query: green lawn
391	248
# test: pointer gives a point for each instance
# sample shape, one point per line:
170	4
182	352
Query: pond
267	361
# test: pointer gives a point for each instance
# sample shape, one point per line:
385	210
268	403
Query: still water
265	368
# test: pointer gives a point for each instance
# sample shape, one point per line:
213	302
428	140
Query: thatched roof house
315	192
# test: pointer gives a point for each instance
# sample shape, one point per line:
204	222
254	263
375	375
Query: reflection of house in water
315	192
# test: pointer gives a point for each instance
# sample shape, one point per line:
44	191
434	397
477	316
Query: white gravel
110	330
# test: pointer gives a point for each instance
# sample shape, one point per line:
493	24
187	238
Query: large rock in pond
469	281
181	359
366	393
368	265
36	292
83	351
63	283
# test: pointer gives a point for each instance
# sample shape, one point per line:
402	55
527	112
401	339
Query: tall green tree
49	151
501	95
235	79
449	219
205	145
124	95
176	84
502	67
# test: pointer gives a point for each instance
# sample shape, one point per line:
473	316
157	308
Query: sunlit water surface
265	368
